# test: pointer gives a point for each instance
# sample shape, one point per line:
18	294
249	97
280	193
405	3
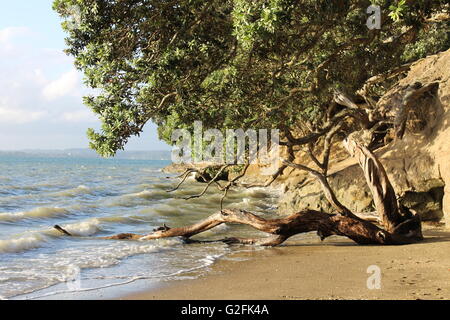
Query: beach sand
333	269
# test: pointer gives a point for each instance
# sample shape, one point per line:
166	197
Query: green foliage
233	63
397	10
432	40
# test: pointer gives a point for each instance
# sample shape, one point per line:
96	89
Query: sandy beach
333	269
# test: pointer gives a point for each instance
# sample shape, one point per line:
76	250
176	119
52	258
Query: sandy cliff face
418	165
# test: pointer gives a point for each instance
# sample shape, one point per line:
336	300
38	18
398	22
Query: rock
208	173
176	168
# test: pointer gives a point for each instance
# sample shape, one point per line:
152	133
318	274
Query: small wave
37	213
98	257
257	193
22	244
126	279
73	192
85	228
19	188
161	186
210	259
124	220
131	199
150	170
205	262
150	194
177	208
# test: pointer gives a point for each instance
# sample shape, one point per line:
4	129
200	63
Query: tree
309	68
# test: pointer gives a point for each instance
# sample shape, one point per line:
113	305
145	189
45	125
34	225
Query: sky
40	90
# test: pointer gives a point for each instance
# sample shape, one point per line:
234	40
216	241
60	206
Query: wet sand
333	269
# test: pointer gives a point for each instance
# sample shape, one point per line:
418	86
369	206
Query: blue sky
40	90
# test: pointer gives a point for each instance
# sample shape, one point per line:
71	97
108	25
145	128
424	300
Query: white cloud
7	37
41	95
9	33
38	85
67	84
18	116
82	115
39	76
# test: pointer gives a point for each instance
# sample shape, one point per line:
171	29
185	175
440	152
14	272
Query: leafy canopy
234	63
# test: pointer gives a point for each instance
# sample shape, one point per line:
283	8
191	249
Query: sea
91	198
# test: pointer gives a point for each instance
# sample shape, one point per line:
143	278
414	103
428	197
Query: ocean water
101	197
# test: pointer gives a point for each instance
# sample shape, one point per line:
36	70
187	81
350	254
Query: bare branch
329	125
382	77
313	157
328	146
225	193
329	194
185	175
213	180
231	183
164	99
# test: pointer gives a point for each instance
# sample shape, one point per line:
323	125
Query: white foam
206	262
149	194
210	259
81	189
21	244
150	170
84	228
142	194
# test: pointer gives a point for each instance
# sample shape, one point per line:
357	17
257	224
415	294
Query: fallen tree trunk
360	231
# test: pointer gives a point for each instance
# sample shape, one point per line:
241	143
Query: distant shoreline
162	155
